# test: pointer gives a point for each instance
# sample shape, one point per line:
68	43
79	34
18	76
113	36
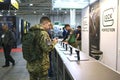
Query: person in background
0	38
66	31
71	40
50	31
69	36
38	69
78	36
7	43
60	33
50	70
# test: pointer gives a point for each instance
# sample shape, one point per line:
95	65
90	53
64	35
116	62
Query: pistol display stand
78	55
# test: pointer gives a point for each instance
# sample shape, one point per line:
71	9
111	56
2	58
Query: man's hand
55	40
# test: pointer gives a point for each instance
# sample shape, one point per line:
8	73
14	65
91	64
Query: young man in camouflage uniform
38	69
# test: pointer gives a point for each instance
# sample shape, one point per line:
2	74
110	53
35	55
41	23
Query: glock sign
107	19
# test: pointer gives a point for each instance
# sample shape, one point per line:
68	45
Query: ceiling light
31	4
2	11
43	14
1	15
76	4
15	13
34	12
65	12
8	11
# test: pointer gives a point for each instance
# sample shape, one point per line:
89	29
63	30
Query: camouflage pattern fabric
28	46
39	67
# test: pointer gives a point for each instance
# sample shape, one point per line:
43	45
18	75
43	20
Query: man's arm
45	42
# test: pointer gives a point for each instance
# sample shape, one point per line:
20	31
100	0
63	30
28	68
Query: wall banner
108	38
85	30
94	22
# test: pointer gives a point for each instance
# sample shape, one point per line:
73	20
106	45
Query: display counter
68	67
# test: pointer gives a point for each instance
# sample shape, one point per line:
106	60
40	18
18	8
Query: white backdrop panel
118	62
108	44
85	30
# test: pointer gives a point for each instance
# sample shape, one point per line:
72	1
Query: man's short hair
78	26
66	25
44	18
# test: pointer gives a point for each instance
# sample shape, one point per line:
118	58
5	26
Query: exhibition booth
101	37
99	58
101	31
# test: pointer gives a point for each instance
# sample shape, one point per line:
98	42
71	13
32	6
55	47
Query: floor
17	72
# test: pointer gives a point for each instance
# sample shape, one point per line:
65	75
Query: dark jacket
8	39
66	35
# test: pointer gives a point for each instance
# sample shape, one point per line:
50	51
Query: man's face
68	28
4	27
47	25
79	28
50	26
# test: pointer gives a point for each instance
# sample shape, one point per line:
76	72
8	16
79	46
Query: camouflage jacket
43	46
